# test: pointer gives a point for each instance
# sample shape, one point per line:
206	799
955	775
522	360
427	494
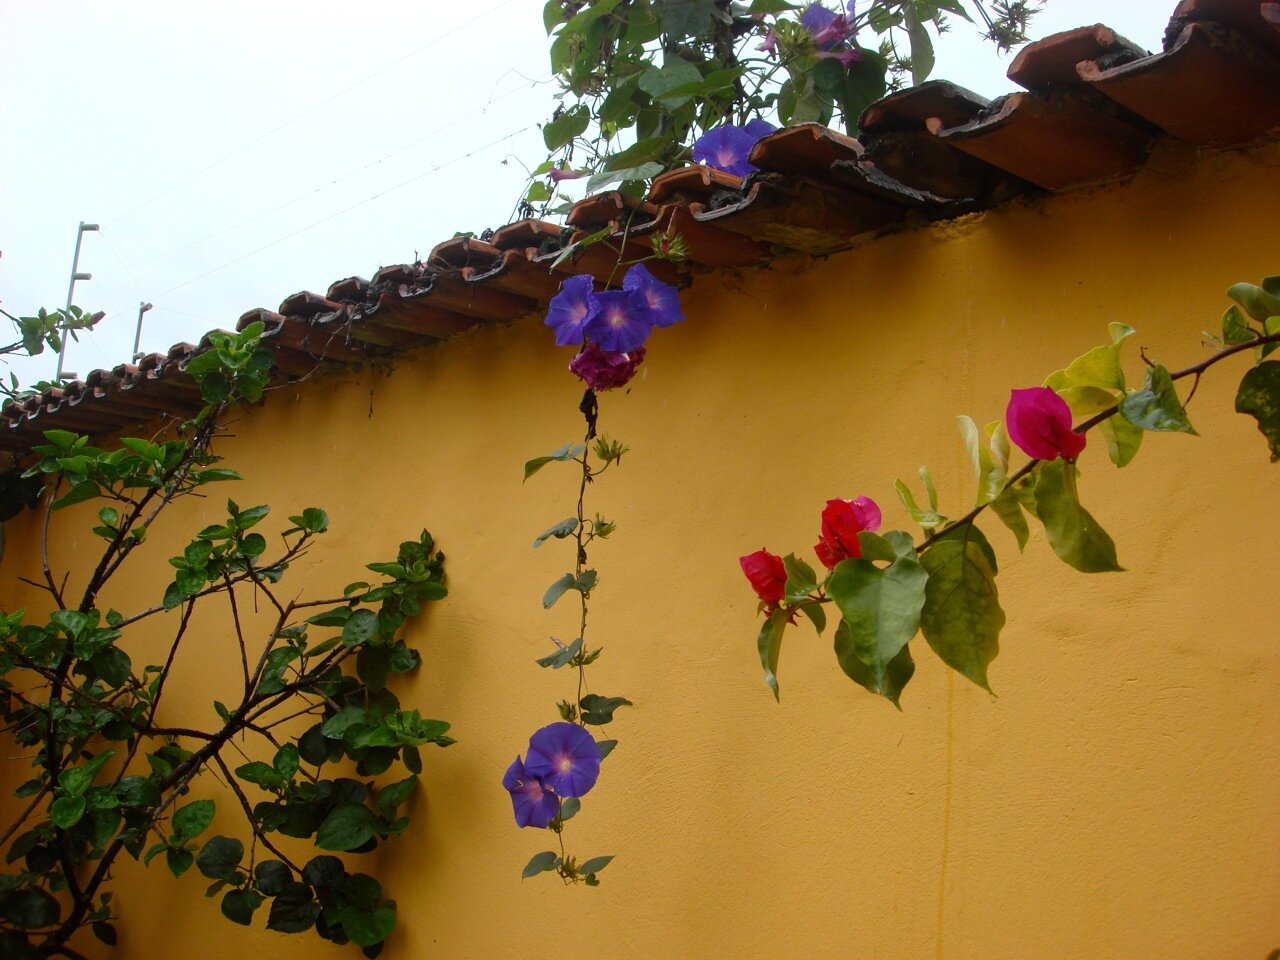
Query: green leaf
179	860
961	619
393	795
816	615
687	18
1009	510
887	682
561	656
568	452
552	15
29	909
801	579
238	906
927	519
598	710
193	819
65	812
220	858
262	774
73	781
594	865
921	46
293	910
881	608
1156	406
557	590
360	627
988	474
541	863
1235	328
582	583
769	643
1073	534
367	927
271	876
588	14
661	82
572	123
1259	397
564	528
1255	300
644	171
348	825
1100	367
286	761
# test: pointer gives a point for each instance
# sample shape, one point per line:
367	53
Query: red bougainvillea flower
571	308
534	804
1039	422
663	299
565	758
602	370
727	148
827	27
767	575
621	322
842	521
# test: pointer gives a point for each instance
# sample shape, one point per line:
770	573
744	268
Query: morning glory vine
562	762
887	588
640	79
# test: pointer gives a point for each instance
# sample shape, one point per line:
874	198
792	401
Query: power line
439	38
382	193
320	189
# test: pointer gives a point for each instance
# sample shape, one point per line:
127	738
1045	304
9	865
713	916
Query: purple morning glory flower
565	757
571	308
825	26
663	299
727	148
534	804
621	322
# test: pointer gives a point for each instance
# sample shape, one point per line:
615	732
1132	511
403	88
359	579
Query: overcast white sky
237	152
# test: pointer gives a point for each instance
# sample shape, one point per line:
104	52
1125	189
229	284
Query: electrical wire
376	196
439	38
320	189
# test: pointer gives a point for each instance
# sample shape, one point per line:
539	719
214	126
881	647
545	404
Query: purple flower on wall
826	27
571	308
727	147
620	322
557	174
533	803
663	299
602	370
565	757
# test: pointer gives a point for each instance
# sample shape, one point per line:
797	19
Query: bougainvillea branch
887	588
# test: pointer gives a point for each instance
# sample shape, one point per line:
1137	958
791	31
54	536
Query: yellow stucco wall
1118	799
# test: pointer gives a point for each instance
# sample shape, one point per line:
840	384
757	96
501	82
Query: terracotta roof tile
1211	86
807	149
1051	62
1094	105
1053	140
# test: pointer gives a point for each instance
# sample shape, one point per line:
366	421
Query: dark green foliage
110	777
